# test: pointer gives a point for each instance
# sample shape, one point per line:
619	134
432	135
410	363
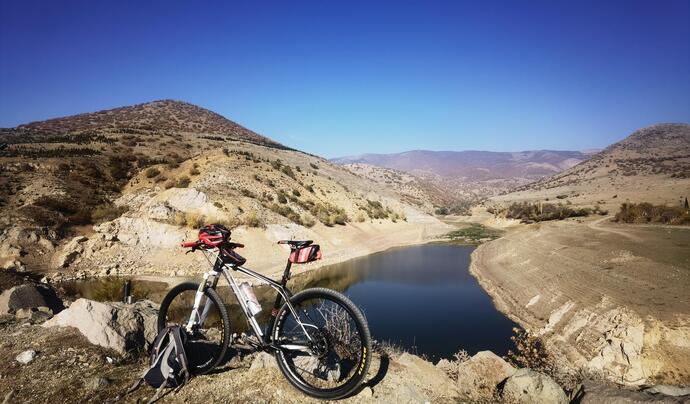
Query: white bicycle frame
211	280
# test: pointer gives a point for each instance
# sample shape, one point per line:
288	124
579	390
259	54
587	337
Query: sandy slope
612	298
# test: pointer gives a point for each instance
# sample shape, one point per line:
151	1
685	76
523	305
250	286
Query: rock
8	397
160	211
424	373
36	315
97	383
263	360
366	393
46	244
118	326
70	252
28	296
479	376
668	390
26	357
14	265
595	393
530	387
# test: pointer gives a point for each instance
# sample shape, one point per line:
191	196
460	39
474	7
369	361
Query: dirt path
597	225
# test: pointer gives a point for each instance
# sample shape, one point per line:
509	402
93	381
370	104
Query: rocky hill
652	165
472	175
145	177
152	117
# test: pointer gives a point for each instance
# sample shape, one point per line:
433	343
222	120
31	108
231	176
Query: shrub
281	197
194	171
251	220
530	352
296	192
247	193
647	213
288	171
152	172
314	166
532	212
287	212
183	182
105	213
308	221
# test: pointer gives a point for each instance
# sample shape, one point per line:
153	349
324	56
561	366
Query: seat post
286	273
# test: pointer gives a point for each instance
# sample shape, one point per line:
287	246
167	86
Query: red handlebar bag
306	254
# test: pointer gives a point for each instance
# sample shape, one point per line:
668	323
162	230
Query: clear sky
339	78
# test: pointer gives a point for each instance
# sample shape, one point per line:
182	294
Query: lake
421	298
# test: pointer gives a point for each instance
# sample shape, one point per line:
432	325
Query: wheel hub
319	343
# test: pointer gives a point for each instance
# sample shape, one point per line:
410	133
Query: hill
135	181
651	165
152	117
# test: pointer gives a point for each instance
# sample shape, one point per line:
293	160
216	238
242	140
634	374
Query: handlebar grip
188	244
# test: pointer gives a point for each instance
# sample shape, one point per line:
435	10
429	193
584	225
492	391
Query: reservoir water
421	298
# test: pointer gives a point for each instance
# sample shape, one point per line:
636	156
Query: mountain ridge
159	115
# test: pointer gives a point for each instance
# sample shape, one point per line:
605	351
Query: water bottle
250	298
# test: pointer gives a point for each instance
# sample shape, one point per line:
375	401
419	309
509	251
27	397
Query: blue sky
339	78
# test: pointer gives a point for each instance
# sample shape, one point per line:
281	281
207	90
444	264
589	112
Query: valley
114	193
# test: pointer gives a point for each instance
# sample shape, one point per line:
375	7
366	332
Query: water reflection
421	298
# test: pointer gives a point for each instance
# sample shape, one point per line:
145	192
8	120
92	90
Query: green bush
532	212
152	172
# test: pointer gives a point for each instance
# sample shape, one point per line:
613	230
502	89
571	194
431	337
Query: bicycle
319	337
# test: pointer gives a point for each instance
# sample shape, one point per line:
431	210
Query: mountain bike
319	337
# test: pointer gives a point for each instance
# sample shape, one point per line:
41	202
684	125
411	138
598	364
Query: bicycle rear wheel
339	344
210	336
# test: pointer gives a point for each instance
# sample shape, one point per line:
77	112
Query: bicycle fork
199	300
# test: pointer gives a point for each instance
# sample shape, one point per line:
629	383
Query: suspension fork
210	281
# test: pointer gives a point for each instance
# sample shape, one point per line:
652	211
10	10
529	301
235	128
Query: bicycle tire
360	369
218	302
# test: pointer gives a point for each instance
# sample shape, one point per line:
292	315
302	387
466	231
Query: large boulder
530	387
29	296
118	326
479	376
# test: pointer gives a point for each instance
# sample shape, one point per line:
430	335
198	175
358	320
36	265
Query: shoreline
570	284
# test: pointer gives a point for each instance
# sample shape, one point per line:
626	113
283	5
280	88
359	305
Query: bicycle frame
211	280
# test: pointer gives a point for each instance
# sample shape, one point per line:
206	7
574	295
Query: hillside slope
652	165
145	177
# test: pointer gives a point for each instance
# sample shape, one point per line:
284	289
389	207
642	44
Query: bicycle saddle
296	243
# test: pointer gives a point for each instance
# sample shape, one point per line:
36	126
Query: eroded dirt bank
611	299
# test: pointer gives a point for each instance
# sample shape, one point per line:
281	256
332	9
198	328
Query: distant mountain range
474	165
473	174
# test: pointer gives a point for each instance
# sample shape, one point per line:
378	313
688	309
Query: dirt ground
67	369
588	285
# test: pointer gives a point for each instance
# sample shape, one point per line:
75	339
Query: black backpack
168	362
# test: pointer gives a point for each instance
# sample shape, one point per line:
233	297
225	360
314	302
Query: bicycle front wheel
210	334
334	359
